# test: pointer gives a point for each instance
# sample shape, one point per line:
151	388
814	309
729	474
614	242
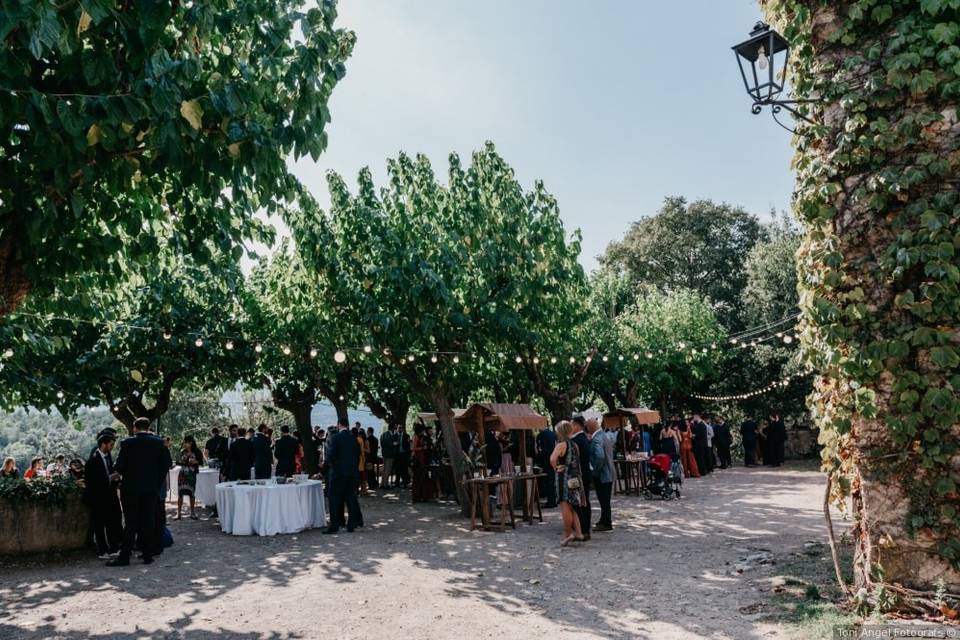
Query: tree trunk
441	405
14	284
302	412
878	194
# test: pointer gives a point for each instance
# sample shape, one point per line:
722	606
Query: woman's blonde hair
563	429
9	462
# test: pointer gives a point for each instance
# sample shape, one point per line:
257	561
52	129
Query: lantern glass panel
763	61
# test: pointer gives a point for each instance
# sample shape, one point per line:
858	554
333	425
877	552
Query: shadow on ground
667	565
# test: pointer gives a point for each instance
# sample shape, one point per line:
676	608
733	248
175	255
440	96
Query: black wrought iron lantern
763	59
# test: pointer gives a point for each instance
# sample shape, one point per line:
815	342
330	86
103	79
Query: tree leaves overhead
701	246
124	120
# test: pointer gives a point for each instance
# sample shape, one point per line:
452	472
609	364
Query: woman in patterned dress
190	461
570	492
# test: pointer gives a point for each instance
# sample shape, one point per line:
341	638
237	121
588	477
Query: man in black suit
723	440
546	442
343	458
748	435
241	456
262	454
583	448
700	451
286	451
373	479
143	465
100	494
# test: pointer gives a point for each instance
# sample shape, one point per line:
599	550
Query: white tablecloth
270	509
207	481
173	478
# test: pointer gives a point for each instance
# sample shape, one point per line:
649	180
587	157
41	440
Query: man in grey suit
604	471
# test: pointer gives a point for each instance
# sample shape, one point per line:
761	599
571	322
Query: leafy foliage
53	490
133	348
652	323
123	125
879	272
700	246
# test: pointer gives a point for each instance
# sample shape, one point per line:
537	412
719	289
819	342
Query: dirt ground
668	570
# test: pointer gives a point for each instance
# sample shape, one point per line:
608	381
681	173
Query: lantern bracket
777	105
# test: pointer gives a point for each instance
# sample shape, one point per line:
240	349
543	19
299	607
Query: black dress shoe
119	562
148	560
330	530
350	529
602	527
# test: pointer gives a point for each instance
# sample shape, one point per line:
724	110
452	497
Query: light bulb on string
456	359
339	357
573	360
518	359
8	353
733	341
588	359
649	356
620	358
229	345
606	358
553	360
258	347
313	352
286	350
198	342
411	358
433	359
536	360
636	356
367	349
167	335
60	395
787	339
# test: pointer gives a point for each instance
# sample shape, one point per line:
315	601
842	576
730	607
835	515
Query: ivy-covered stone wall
877	190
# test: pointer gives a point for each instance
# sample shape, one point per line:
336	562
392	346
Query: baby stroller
666	476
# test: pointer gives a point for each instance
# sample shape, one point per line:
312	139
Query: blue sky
615	104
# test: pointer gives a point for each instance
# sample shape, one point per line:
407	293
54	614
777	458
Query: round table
207	481
173	480
269	509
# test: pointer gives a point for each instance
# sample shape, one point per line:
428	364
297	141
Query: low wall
28	527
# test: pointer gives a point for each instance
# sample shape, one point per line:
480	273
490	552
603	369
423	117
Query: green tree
770	292
701	246
143	340
429	271
300	331
171	119
657	349
877	193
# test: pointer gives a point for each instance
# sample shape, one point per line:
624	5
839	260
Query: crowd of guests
59	467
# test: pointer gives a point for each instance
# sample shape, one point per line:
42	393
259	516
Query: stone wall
39	528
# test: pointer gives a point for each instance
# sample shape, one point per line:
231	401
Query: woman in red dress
687	458
423	487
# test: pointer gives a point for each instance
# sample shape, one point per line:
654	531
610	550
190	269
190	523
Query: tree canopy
701	246
167	121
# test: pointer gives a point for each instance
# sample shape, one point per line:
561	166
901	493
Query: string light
313	352
553	360
167	335
536	360
433	359
339	357
198	342
258	347
636	356
456	359
229	345
367	349
573	360
286	350
518	359
410	358
8	353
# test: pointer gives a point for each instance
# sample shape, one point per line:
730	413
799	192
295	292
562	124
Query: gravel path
668	570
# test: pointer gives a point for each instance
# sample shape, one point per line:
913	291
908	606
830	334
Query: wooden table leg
509	486
536	501
473	506
485	504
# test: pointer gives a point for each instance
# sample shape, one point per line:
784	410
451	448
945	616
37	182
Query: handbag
572	482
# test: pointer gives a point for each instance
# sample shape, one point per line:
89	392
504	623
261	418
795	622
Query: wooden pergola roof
630	415
500	417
